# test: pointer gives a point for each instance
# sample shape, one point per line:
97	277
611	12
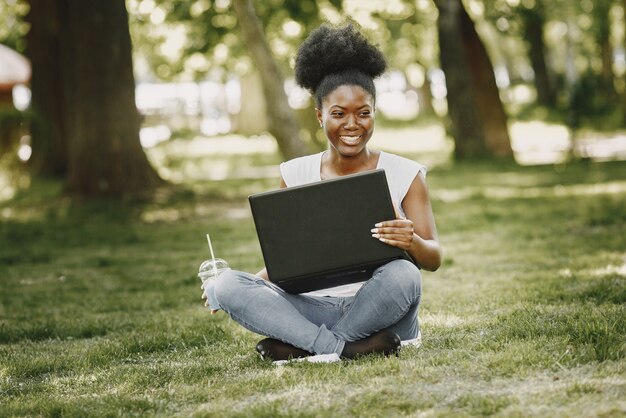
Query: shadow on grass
96	298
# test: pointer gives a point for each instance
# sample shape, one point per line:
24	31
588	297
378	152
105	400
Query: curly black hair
335	56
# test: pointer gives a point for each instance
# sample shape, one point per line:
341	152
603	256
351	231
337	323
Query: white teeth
350	139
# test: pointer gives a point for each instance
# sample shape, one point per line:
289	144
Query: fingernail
382	239
376	235
375	230
378	225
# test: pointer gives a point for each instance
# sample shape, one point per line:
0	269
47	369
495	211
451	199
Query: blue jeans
320	324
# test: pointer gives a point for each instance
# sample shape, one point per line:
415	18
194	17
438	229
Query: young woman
338	66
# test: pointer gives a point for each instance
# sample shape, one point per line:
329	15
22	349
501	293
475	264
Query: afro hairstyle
331	57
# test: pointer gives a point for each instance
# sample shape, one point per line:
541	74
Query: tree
525	22
602	30
213	39
478	121
12	25
84	92
624	75
50	99
533	23
283	124
412	44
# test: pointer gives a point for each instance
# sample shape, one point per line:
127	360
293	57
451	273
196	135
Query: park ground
101	313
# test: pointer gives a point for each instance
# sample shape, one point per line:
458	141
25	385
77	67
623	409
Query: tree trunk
479	124
97	117
10	120
602	10
425	99
572	48
283	123
466	127
533	32
624	76
251	119
493	117
50	99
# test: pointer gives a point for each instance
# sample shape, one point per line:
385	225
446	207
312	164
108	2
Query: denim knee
403	277
229	288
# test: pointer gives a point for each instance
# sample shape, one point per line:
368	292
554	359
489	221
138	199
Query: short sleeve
400	173
301	170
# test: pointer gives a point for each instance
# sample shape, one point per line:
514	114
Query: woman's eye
337	114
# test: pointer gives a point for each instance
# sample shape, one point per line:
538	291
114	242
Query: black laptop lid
323	228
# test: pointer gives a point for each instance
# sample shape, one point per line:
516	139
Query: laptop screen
323	228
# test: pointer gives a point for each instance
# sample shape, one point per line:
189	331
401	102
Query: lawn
101	313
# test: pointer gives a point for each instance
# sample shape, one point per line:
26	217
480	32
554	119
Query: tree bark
50	100
624	77
97	116
105	152
425	99
533	32
487	95
479	124
424	94
602	10
283	123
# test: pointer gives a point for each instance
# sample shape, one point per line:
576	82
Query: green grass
101	314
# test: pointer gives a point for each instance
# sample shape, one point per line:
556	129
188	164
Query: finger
393	229
382	232
404	230
395	243
406	236
403	243
394	223
214	311
203	295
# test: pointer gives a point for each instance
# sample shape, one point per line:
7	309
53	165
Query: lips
350	139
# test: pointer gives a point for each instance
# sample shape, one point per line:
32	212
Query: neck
342	165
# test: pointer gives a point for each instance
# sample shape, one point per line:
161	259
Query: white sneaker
415	342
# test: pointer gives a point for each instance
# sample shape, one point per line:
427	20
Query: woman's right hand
208	293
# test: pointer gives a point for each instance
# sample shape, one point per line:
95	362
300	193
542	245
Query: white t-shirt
400	174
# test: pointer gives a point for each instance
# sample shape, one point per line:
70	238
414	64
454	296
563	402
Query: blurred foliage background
148	123
558	71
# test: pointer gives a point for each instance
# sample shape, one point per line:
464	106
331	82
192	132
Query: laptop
318	235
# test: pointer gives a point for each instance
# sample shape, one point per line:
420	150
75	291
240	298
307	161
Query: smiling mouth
350	139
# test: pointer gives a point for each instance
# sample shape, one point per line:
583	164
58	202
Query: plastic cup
211	269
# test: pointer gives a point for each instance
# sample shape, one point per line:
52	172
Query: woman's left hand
397	232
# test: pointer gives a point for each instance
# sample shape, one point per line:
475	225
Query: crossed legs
323	325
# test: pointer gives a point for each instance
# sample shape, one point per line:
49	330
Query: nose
351	122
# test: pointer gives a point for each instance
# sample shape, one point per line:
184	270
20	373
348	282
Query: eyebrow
342	107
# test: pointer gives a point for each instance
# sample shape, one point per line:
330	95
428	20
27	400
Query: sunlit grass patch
597	286
586	332
101	315
479	404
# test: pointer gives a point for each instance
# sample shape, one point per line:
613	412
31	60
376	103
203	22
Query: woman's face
347	116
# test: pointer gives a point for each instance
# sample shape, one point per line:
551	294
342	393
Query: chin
350	152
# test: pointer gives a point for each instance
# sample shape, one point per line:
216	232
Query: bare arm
263	274
417	234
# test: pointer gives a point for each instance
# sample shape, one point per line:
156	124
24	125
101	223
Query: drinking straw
212	254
